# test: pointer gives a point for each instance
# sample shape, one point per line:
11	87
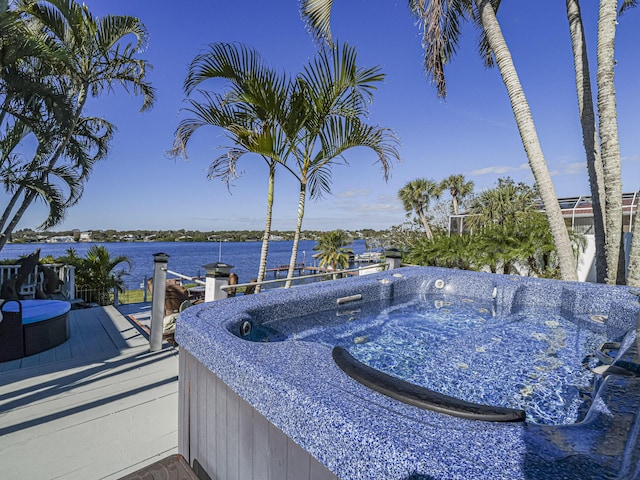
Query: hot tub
32	326
264	389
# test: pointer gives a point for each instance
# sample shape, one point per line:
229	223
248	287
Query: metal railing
377	267
186	277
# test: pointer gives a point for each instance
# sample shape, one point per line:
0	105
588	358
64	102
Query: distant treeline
31	236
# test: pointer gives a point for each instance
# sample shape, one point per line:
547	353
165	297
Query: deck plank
102	406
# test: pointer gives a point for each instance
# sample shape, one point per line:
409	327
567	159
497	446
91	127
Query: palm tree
440	22
328	100
589	132
95	58
249	112
500	205
609	142
96	272
459	188
33	103
530	139
331	249
416	196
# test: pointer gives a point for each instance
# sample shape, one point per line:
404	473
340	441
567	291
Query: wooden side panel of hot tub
222	434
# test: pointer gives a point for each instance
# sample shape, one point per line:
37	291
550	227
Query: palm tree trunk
589	133
267	228
530	140
296	236
9	208
456	211
425	224
609	143
16	218
633	277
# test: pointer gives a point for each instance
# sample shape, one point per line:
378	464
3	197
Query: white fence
35	280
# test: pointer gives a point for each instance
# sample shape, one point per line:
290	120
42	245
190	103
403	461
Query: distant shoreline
28	236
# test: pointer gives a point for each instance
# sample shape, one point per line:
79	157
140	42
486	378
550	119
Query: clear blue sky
473	132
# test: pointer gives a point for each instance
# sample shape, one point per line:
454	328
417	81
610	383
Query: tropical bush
332	251
96	276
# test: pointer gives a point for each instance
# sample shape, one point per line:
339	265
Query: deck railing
35	280
372	268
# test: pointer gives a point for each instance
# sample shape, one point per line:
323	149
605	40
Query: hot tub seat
32	326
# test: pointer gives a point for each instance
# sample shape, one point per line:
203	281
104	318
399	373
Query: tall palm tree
459	188
530	140
327	104
96	58
633	277
332	251
609	142
249	112
416	196
589	132
440	21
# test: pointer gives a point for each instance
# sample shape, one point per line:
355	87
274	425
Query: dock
99	406
299	268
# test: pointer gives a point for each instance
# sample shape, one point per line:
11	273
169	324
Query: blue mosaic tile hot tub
355	432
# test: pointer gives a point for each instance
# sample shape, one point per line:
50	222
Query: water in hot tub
536	360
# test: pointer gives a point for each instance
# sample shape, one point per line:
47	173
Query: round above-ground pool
263	388
32	326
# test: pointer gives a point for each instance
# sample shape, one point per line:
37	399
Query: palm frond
317	16
627	4
439	21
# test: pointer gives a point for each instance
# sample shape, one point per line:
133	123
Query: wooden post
160	261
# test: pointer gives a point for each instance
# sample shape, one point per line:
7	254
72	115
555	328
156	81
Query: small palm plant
333	253
96	272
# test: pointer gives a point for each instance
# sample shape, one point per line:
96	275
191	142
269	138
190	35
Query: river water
186	258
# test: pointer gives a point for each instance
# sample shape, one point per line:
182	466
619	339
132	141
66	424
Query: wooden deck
99	406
